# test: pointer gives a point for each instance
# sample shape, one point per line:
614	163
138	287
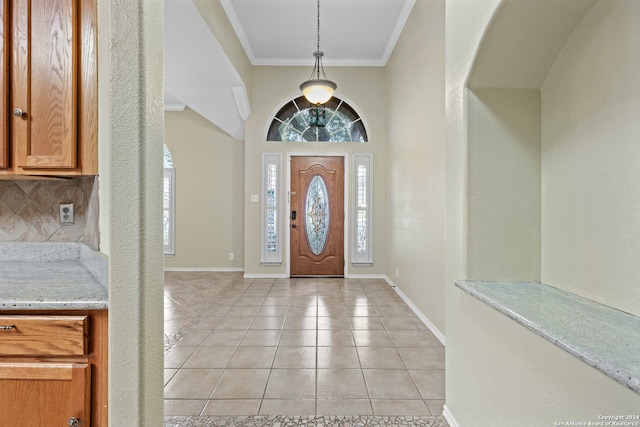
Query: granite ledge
52	276
603	337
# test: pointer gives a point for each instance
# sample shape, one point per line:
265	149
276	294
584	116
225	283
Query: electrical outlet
67	216
232	256
397	271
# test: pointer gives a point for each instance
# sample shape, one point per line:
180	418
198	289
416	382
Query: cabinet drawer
44	335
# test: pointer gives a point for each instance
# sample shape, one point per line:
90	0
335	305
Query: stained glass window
317	214
168	160
296	122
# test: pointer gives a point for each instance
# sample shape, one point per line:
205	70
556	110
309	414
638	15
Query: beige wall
512	377
503	235
363	88
587	185
416	161
209	168
591	178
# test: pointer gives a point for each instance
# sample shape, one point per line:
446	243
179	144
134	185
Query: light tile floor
237	346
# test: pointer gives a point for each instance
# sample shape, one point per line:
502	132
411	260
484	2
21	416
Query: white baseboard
417	312
285	276
365	276
448	417
197	269
265	276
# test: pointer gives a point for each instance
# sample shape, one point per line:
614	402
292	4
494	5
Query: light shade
318	91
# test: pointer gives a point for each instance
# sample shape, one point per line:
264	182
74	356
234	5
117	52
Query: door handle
293	226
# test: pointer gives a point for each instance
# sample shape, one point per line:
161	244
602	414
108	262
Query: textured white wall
504	185
209	168
416	160
364	89
131	134
104	133
591	159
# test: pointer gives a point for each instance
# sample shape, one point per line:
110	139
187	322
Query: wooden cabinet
49	61
53	368
4	81
44	335
44	394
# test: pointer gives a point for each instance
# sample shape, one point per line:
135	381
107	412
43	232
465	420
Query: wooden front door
317	216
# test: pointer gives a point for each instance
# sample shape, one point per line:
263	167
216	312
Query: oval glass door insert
317	214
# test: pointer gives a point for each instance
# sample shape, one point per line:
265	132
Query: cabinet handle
19	113
7	327
74	422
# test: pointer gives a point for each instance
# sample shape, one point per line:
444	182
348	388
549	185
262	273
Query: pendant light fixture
318	90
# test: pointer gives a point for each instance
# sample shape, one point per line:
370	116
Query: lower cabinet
45	394
53	369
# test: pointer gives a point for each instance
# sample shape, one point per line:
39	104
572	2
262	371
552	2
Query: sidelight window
169	204
271	240
362	209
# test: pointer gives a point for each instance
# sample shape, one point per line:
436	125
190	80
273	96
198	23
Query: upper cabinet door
4	90
44	70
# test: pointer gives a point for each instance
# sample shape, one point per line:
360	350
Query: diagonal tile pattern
339	347
29	210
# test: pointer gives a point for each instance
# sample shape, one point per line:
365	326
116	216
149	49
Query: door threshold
302	276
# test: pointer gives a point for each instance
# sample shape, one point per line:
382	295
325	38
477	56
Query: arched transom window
299	121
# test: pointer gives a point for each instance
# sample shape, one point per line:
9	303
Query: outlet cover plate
67	216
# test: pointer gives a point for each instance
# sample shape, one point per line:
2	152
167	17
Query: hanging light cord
318	67
318	89
318	49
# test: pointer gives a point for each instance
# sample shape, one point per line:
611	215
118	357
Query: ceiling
284	32
198	73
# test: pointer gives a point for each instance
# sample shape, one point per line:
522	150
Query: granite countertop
605	338
52	276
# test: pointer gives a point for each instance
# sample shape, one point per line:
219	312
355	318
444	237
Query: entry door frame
347	180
